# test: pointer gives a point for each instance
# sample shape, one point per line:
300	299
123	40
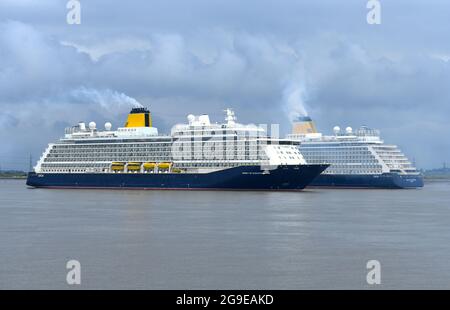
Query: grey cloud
263	59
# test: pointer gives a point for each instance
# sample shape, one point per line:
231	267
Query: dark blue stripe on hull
239	178
387	180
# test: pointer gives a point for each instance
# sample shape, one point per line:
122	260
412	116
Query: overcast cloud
269	60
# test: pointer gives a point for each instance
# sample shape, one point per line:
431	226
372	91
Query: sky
268	60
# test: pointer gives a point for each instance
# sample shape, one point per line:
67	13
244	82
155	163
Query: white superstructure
360	152
198	146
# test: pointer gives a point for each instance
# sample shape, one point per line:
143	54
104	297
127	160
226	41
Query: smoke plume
293	99
105	98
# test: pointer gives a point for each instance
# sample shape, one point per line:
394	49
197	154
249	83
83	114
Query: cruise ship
195	155
357	158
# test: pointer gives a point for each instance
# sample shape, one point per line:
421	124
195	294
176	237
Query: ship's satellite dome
108	126
336	129
92	125
191	118
349	130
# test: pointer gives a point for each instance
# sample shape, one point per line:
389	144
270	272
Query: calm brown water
224	240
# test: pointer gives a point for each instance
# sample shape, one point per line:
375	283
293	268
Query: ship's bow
32	179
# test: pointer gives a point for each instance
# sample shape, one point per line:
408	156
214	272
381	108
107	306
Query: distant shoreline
13	175
437	177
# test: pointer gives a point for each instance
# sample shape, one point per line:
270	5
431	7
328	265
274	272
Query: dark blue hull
387	180
292	177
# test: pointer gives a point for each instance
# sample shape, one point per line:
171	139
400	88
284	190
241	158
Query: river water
315	239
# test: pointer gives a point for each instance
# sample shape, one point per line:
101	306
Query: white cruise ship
196	155
357	158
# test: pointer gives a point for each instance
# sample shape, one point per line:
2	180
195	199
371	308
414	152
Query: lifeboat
117	166
164	165
133	166
149	166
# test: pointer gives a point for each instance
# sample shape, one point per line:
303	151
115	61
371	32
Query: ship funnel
303	125
139	117
82	126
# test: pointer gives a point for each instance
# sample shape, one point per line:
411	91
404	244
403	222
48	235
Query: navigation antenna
30	167
230	118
